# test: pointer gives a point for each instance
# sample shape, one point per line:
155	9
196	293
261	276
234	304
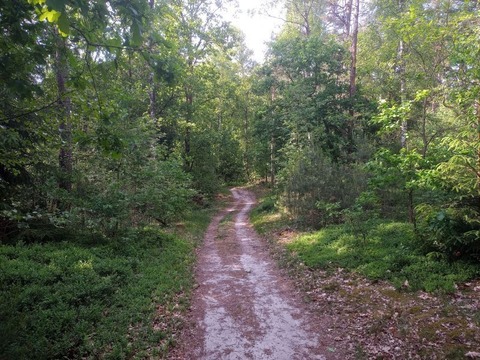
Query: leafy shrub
452	231
266	205
311	183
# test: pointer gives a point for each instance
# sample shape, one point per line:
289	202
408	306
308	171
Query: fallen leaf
473	354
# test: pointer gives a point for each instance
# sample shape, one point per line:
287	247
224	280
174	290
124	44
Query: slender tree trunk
65	157
353	50
403	125
411	209
272	142
400	70
424	130
152	94
477	110
353	69
272	160
246	158
403	87
187	140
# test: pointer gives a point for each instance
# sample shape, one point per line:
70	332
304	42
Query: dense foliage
377	118
114	115
121	115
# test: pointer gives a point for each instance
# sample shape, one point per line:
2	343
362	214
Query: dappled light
125	126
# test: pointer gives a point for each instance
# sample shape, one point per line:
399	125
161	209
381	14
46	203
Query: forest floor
244	307
378	321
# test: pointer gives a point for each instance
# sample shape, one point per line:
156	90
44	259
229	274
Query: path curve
243	308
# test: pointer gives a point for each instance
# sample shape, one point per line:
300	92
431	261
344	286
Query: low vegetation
112	299
388	253
386	250
388	298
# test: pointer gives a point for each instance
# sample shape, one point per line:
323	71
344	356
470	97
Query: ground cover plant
387	299
388	252
114	299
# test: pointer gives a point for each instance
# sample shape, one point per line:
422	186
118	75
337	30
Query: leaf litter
379	321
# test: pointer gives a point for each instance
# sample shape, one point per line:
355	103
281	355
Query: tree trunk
246	116
403	86
153	97
272	160
353	71
477	110
152	94
65	158
272	141
403	126
353	50
187	140
411	209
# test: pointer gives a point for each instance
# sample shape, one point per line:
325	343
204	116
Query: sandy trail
243	308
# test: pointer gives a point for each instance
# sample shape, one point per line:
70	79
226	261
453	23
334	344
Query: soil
243	306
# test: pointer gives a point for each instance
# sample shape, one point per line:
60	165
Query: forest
120	122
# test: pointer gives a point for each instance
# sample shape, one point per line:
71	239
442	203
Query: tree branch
33	111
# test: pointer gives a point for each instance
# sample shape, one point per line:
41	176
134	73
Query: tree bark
246	116
403	85
477	110
272	160
353	70
188	118
152	94
403	126
65	157
272	142
353	50
153	98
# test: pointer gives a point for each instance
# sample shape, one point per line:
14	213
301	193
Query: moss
429	332
331	286
415	309
454	352
394	294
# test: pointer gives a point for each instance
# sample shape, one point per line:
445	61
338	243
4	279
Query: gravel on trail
243	307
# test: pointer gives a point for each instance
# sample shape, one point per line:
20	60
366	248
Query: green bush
452	231
311	184
266	205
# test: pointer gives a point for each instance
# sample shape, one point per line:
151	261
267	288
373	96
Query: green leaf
64	24
136	33
58	5
441	216
50	15
115	42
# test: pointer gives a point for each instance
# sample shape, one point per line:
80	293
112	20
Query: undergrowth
387	251
80	299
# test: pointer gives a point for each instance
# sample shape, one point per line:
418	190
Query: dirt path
243	308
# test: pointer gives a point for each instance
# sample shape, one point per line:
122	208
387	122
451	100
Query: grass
103	300
388	252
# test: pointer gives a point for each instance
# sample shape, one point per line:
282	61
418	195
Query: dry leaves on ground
381	322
